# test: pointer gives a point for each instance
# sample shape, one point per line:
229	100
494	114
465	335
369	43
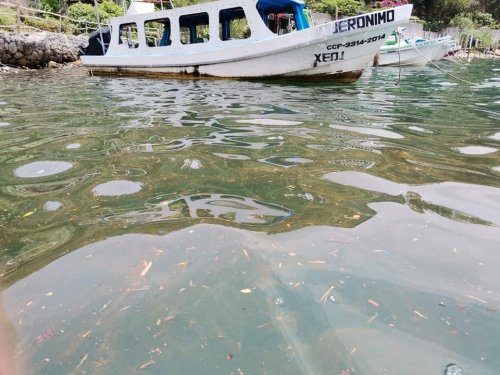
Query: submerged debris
453	369
278	301
147	364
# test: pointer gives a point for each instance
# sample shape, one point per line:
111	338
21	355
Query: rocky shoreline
38	50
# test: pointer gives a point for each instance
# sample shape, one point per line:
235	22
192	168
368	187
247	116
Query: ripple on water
232	156
52	205
419	129
116	188
3	123
369	131
73	146
286	161
476	150
192	164
497	169
272	122
42	168
496	136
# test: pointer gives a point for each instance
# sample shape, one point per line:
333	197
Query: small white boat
240	39
399	50
452	49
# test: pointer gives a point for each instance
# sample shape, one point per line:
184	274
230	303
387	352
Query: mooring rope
441	69
399	57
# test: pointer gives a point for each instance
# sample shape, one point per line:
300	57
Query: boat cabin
217	24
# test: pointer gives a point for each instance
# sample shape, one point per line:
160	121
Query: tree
343	7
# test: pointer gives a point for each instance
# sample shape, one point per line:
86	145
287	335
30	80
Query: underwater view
155	226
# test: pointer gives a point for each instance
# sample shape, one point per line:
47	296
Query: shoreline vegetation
49	36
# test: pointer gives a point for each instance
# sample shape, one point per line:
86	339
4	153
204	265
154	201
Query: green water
223	227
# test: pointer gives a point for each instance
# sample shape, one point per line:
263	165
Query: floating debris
373	303
86	333
453	369
420	315
326	294
317	261
372	318
147	267
147	364
246	291
278	301
84	358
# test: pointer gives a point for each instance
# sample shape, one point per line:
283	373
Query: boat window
233	24
283	16
158	32
129	35
194	28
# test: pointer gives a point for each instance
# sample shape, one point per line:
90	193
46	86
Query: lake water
227	227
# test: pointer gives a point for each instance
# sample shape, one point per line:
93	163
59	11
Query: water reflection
116	188
479	204
52	205
42	168
476	150
237	209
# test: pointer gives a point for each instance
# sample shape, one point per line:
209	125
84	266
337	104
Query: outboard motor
95	48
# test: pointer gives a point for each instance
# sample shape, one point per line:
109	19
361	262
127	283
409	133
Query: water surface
221	227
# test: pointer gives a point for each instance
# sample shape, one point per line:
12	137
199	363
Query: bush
108	9
82	12
462	22
85	12
53	6
483	19
345	7
7	19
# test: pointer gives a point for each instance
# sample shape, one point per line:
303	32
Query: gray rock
12	48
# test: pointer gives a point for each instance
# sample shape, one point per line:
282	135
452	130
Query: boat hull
418	54
331	51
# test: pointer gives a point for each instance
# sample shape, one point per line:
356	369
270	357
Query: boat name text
363	21
328	57
355	42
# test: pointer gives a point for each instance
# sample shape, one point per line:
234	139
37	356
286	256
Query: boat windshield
284	16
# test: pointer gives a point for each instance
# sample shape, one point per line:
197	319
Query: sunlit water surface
224	227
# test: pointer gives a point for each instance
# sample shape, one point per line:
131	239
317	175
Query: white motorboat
399	50
239	39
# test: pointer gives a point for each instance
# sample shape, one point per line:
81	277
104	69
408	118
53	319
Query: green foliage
471	21
50	24
108	9
82	12
9	18
463	22
485	39
86	12
53	6
483	19
345	7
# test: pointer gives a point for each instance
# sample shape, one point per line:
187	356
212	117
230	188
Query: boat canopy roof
296	7
277	6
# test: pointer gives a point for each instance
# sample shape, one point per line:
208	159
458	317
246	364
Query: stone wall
36	50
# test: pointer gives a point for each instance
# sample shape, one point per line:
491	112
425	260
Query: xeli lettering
328	57
363	21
